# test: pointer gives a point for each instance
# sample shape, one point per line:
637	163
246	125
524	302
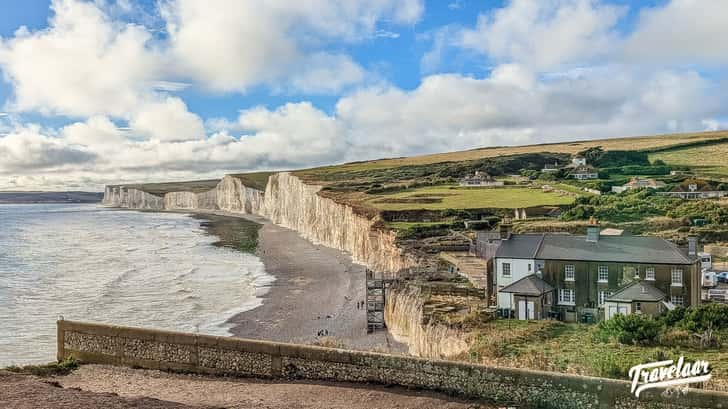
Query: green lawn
452	197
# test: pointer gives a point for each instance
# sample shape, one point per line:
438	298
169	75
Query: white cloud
275	42
168	120
681	32
82	64
27	148
544	34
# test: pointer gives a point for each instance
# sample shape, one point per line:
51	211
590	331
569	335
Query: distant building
639	183
551	167
578	160
696	189
584	172
480	179
572	277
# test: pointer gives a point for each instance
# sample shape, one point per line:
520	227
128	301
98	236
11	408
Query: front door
526	309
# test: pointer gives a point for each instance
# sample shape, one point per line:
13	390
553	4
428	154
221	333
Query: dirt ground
98	386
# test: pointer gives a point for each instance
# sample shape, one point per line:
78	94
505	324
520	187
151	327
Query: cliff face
233	196
120	196
288	202
291	203
403	315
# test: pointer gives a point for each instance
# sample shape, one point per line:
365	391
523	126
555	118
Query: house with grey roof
586	270
638	297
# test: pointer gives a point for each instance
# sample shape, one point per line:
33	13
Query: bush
706	317
630	329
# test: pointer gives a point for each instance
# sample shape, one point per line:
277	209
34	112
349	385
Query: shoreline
316	289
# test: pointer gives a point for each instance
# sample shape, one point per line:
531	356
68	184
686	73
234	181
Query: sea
85	262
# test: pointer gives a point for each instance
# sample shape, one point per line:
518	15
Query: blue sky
103	91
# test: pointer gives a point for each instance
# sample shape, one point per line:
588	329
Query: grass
160	189
51	369
452	197
571	348
707	160
255	180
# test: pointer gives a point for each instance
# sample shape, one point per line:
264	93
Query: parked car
722	277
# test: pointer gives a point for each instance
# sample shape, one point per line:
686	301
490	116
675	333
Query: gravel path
203	391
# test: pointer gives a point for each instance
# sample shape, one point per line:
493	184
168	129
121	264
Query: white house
578	160
585	172
514	260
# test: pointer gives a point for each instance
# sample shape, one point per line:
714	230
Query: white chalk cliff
288	202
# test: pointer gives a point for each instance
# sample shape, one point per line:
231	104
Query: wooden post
60	340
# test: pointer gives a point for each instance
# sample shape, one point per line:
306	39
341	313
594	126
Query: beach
314	296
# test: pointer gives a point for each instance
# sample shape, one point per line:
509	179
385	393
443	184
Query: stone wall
97	343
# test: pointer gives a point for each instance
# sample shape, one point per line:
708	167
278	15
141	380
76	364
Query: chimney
592	231
692	245
505	228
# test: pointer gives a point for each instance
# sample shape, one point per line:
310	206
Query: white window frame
569	272
650	273
506	269
638	308
564	300
603	295
673	282
602	270
677	300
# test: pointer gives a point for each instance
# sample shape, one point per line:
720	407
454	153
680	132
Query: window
569	272
506	269
603	274
566	296
638	308
650	273
603	295
677	299
677	277
529	267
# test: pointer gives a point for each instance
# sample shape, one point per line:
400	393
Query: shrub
630	329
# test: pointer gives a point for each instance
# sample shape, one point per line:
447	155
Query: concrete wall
96	343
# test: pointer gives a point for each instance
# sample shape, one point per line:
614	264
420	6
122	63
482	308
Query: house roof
638	291
528	285
625	249
520	246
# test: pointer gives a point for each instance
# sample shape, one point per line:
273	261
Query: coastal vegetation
581	348
44	370
233	232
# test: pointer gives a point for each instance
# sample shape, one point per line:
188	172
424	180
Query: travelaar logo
666	374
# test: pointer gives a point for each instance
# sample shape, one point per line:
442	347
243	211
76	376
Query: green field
452	197
707	160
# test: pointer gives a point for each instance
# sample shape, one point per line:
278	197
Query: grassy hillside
706	161
630	143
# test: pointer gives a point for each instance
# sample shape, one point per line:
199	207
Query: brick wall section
153	349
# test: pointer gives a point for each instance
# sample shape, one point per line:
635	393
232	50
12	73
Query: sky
98	92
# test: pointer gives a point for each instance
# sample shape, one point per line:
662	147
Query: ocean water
88	263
